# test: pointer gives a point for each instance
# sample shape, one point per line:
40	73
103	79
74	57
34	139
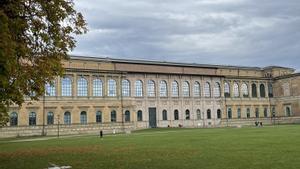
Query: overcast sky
227	32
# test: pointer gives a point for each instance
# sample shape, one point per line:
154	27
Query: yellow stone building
117	94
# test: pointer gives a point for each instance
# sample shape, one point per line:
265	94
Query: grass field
224	148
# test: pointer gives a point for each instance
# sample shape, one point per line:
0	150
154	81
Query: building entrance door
152	117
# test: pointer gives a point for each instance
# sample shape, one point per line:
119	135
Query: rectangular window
239	113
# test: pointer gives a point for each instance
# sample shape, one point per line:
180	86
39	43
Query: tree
35	36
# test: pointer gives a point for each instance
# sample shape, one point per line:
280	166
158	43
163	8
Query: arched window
67	118
97	87
82	87
125	88
50	118
32	119
244	89
112	87
226	89
127	116
208	113
198	114
254	90
163	89
175	89
207	90
98	117
197	89
113	116
139	88
262	90
140	115
66	87
229	113
219	114
248	113
236	92
187	114
13	119
270	87
164	115
176	115
186	89
217	90
83	117
151	88
50	89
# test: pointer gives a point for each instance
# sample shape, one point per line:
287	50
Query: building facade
110	94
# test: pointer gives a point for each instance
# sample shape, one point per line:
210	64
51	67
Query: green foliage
35	36
273	147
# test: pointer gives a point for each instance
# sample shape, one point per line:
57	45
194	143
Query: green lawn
223	148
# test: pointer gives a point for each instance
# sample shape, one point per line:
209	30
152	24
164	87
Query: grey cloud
232	32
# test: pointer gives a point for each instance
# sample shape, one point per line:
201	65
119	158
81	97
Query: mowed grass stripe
266	147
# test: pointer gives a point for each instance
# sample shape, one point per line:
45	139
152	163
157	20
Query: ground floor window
176	115
229	113
198	114
83	117
239	113
219	114
113	116
98	117
13	119
187	115
67	118
139	115
265	112
127	116
256	112
208	113
288	111
164	115
50	118
248	113
32	118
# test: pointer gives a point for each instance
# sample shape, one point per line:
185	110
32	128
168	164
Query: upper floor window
138	88
125	88
207	90
163	89
254	90
175	89
151	88
226	89
286	89
262	90
186	89
197	89
112	87
97	87
244	89
236	92
13	119
217	90
82	87
50	89
66	87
